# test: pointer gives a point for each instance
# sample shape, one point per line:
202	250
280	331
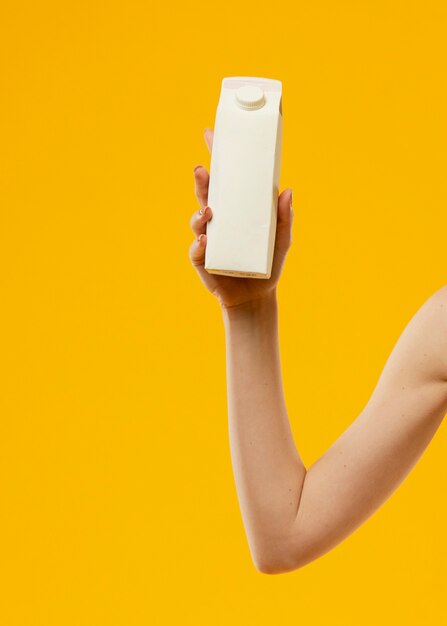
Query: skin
293	515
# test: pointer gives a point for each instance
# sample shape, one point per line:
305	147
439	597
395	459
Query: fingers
201	174
201	183
197	250
199	220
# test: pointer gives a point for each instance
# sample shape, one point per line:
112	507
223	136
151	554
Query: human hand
236	291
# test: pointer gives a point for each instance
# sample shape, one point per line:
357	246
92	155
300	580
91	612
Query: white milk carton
244	177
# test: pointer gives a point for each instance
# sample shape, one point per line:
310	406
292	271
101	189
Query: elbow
276	567
272	564
265	566
286	556
291	559
271	568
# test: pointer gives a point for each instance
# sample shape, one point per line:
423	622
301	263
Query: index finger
201	175
201	180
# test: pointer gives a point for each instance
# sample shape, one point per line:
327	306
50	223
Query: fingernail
291	194
197	167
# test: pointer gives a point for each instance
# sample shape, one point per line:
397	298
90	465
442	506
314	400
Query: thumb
284	219
283	239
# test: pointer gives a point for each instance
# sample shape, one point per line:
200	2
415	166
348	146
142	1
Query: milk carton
244	177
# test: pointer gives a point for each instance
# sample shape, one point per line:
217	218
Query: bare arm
293	516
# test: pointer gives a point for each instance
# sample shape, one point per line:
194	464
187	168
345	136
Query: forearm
268	470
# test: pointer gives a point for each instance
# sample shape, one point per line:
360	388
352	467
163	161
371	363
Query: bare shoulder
414	378
427	335
419	356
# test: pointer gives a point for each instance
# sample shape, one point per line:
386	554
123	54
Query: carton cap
250	97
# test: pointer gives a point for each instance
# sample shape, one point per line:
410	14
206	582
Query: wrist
258	307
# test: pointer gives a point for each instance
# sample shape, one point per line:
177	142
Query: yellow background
118	501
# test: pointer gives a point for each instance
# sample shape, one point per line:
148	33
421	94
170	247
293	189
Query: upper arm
420	354
374	454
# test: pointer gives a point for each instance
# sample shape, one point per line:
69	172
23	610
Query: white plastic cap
250	97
